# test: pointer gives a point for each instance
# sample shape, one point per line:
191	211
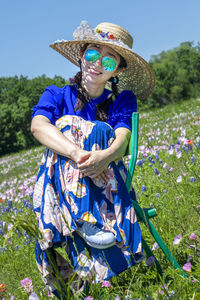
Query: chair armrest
132	149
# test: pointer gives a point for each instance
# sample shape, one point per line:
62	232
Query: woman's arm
99	160
51	137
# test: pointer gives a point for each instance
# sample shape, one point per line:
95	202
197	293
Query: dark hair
103	107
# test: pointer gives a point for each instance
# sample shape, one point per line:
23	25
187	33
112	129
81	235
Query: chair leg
164	248
144	217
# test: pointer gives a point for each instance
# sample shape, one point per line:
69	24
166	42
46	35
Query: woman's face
94	71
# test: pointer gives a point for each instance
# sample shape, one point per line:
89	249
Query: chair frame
144	215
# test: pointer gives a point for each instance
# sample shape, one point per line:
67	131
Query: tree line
177	73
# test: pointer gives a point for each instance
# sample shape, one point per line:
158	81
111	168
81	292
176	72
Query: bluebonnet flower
144	188
10	203
198	145
160	162
25	202
1	231
150	165
18	233
192	179
140	162
156	171
153	161
157	155
150	158
187	148
158	195
7	209
193	159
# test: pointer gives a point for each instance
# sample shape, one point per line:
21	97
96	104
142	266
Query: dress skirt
63	199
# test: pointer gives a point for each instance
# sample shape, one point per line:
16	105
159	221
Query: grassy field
167	176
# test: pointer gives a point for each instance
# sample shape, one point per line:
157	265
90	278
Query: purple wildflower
192	179
156	171
187	267
144	188
177	239
27	284
33	296
150	261
155	246
193	236
106	283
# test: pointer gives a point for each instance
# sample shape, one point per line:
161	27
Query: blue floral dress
63	198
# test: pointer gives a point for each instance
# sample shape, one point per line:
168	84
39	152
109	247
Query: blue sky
28	27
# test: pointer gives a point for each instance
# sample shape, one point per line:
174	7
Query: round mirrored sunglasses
108	63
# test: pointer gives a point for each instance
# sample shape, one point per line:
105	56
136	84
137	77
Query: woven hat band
117	32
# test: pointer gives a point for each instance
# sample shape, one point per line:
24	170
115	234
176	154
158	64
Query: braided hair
103	107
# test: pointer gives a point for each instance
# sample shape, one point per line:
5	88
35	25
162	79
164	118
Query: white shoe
95	237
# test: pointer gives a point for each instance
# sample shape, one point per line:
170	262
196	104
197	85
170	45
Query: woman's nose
99	62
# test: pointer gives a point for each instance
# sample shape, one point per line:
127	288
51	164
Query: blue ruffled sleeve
122	109
50	104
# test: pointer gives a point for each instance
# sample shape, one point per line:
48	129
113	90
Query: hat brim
137	77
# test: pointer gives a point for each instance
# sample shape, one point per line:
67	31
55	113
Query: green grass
174	191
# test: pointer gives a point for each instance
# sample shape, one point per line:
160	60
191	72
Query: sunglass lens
92	55
109	64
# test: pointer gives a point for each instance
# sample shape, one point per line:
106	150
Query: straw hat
137	77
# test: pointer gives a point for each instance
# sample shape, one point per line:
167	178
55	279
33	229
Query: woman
80	197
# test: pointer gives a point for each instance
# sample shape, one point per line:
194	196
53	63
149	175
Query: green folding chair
144	214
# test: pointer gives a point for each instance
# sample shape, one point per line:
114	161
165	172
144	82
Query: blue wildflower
156	171
193	159
10	203
160	162
140	163
157	155
192	179
144	188
158	195
150	158
198	145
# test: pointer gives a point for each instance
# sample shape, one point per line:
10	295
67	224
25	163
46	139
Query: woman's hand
95	164
80	155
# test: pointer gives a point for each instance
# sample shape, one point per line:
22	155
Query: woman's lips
94	72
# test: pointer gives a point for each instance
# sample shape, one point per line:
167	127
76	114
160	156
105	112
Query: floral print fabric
63	199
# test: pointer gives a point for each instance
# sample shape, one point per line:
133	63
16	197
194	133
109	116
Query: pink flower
165	165
162	288
88	298
193	236
10	225
177	239
27	284
187	267
106	283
